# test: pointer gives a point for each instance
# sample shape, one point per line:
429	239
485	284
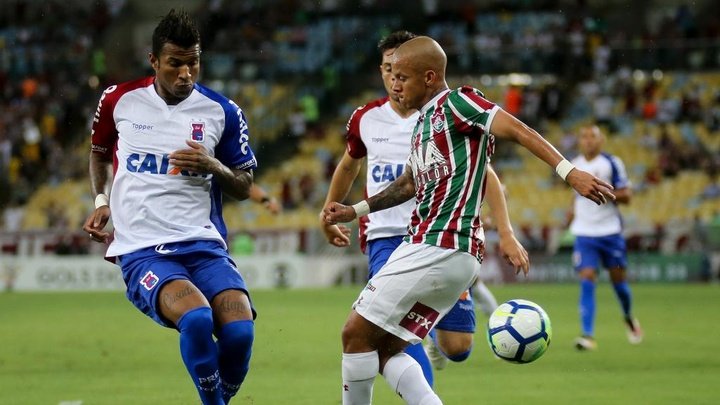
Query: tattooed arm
399	191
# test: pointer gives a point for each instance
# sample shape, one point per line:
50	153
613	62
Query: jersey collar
432	102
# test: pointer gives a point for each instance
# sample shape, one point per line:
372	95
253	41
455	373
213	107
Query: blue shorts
591	251
204	263
461	317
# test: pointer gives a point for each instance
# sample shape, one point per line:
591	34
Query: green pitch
95	348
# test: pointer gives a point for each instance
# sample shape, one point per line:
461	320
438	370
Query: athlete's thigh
177	297
613	251
146	273
378	251
585	253
418	285
231	305
216	275
461	317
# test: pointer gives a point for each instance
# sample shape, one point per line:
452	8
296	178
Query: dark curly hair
394	40
178	28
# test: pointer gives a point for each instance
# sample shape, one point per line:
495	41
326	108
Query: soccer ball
519	331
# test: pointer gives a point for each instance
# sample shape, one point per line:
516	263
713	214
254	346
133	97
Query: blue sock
234	344
461	356
587	306
417	352
200	353
622	290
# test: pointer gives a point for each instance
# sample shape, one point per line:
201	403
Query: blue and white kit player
598	237
174	148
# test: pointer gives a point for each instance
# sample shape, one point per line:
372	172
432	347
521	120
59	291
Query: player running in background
260	196
176	147
438	259
598	237
380	131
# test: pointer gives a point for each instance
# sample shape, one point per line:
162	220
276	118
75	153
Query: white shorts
417	286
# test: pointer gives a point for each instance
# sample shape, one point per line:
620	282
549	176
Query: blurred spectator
650	109
712	190
568	145
297	122
603	110
513	101
72	244
243	244
13	215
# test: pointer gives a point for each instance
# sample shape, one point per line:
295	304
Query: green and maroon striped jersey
450	149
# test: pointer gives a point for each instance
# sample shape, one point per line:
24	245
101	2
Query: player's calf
234	344
200	353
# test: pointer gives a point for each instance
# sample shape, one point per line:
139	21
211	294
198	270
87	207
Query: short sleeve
234	150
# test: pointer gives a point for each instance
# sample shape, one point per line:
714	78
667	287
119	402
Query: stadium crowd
301	68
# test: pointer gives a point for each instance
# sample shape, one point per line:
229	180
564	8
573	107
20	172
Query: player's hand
514	252
273	206
590	186
335	212
194	159
336	235
95	223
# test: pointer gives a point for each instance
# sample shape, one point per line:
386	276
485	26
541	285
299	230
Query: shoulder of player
612	159
216	96
360	112
113	93
467	95
468	90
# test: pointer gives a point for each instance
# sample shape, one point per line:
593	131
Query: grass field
94	348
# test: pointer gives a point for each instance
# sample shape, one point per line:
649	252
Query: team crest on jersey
149	280
198	131
438	122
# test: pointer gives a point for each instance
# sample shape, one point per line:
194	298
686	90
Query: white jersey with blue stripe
151	201
591	219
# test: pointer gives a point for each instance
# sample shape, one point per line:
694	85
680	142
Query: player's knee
238	334
459	357
349	334
198	321
617	275
458	347
354	338
587	274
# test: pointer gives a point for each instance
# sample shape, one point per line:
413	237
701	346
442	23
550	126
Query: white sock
484	297
406	378
358	374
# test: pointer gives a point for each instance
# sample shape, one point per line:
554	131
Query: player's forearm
342	179
496	200
623	195
399	191
340	185
100	173
235	183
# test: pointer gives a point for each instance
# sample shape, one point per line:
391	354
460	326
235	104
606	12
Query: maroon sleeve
104	133
355	146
